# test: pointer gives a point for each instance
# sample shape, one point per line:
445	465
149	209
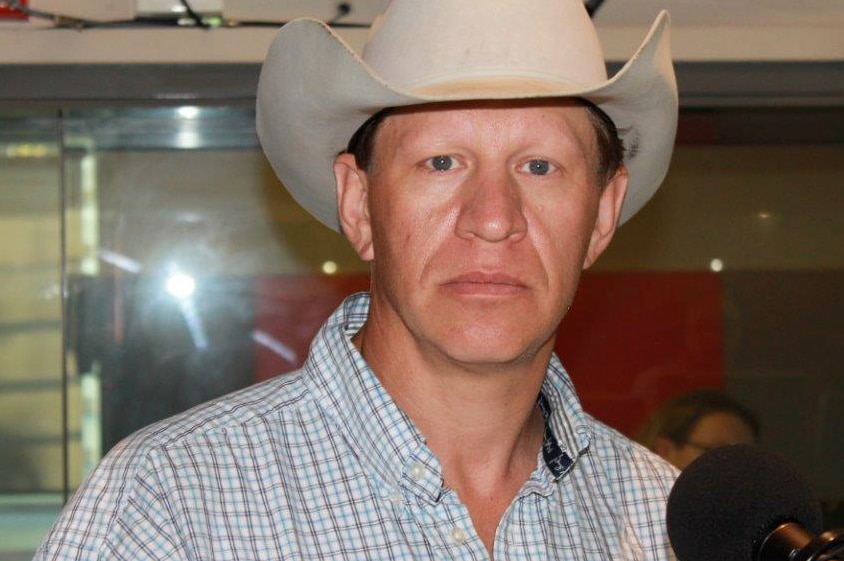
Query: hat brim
311	103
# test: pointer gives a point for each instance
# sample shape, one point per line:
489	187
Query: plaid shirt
322	464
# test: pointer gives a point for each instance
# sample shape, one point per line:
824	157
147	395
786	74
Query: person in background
472	156
688	425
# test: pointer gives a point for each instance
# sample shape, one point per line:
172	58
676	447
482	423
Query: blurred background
150	260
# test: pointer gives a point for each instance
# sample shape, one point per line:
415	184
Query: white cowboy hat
315	91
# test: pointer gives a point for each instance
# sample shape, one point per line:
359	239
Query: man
688	425
431	420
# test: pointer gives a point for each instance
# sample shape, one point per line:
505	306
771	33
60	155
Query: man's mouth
485	283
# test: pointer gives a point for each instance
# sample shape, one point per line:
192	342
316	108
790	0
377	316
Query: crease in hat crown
315	90
417	44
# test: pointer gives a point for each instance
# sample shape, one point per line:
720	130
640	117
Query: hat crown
415	44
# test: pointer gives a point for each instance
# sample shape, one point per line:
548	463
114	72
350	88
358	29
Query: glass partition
183	223
33	426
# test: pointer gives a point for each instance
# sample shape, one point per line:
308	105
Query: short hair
609	143
678	417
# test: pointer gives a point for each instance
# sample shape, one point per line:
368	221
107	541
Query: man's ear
665	448
353	204
609	210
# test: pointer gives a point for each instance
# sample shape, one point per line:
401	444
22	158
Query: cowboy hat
314	91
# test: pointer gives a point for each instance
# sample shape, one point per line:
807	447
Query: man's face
478	219
714	430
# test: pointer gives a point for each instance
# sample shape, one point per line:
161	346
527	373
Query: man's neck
481	421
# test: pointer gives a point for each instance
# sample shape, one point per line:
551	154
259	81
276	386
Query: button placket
416	472
395	496
458	535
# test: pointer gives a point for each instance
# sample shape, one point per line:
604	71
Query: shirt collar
385	439
567	430
380	433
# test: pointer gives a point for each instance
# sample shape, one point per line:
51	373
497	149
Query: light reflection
180	285
29	150
194	323
119	260
188	139
188	112
279	348
716	265
189	217
329	267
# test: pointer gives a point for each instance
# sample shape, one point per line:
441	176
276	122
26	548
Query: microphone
740	503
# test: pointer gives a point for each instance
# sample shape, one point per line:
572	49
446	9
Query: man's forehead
492	117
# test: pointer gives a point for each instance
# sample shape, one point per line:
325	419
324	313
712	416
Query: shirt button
459	535
417	471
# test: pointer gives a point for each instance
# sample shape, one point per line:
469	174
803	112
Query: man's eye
441	163
538	167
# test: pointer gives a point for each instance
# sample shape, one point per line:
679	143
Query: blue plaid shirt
322	464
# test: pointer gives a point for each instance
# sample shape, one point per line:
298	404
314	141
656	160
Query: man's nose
492	209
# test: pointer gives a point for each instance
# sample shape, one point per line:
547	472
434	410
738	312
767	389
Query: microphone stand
835	549
793	542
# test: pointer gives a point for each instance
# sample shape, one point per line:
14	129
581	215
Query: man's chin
485	355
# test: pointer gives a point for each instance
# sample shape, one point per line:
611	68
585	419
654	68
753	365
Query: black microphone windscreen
730	498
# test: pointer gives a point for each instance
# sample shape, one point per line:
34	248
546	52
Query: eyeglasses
702	447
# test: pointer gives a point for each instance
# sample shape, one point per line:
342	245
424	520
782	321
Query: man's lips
485	283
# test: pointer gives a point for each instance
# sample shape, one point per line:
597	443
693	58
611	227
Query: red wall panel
631	340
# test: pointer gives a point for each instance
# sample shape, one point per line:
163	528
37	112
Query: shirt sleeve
120	512
640	483
648	482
